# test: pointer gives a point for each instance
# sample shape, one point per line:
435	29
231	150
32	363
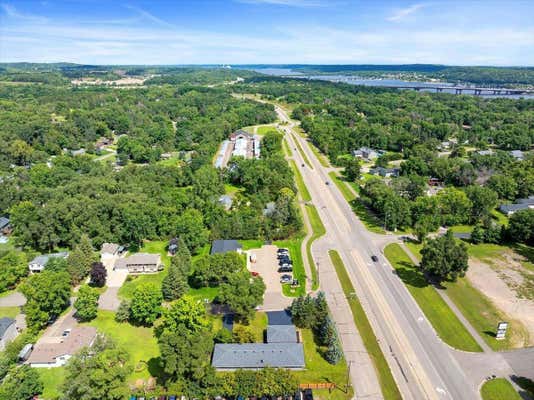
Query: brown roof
78	338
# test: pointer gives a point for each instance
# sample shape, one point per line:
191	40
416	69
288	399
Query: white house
56	351
38	264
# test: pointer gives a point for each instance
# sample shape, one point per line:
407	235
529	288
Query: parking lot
266	266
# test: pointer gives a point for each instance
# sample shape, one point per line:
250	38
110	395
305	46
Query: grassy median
389	388
301	186
301	151
499	389
318	230
447	325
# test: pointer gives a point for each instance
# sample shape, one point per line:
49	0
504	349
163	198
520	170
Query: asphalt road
422	364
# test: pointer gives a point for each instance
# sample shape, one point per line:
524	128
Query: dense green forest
409	128
53	197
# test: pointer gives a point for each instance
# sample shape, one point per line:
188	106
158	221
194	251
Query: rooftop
79	337
224	246
258	355
5	323
111	248
138	259
281	334
4	222
43	258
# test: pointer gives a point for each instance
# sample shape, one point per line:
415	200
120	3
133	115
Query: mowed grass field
318	231
498	389
301	186
478	309
389	388
318	370
445	322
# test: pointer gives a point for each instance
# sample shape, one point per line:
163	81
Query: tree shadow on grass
155	368
526	384
410	276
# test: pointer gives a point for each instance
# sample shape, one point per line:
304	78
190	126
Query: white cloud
402	13
13	13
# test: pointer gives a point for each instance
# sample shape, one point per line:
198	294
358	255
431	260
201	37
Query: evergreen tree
327	332
321	310
80	259
333	354
175	284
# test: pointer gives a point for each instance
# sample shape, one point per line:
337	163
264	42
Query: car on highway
286	278
302	165
327	183
374	258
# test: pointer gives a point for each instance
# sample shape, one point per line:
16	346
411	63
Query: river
376	82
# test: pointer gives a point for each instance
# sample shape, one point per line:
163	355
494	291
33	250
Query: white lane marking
440	390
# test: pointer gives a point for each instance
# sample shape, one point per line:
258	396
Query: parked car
285	268
308	394
254	273
374	258
295	282
282	250
285	260
285	278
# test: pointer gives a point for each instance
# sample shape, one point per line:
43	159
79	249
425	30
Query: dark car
286	279
328	183
285	268
374	258
302	165
308	394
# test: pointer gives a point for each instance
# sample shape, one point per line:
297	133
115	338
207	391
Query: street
422	364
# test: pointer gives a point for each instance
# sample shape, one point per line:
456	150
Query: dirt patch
497	284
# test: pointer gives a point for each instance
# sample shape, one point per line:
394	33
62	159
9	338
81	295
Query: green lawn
301	186
251	244
287	150
299	273
477	308
318	230
369	219
139	341
203	293
500	217
301	151
258	325
318	370
263	130
498	389
389	388
10	312
52	379
447	325
231	189
133	281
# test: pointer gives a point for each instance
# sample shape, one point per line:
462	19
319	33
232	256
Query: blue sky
449	32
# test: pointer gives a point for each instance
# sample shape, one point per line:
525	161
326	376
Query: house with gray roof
140	263
226	201
367	153
258	355
517	154
281	334
520	204
281	350
385	172
225	246
8	331
38	264
4	223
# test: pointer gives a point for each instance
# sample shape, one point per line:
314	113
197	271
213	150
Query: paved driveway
109	300
15	299
267	266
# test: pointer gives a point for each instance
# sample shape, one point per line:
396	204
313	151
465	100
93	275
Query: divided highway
422	364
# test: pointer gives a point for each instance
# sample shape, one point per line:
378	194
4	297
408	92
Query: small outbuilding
8	331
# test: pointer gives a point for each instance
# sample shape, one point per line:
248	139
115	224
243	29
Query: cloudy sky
483	32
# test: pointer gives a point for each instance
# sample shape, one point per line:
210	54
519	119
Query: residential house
38	264
367	153
102	143
8	331
56	351
485	152
517	154
5	226
173	246
109	253
385	172
140	263
226	201
281	350
224	246
78	152
520	204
